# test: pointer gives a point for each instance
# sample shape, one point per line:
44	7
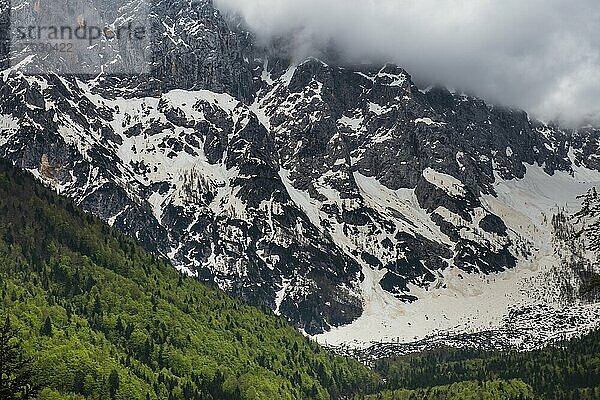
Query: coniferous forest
568	370
86	313
98	317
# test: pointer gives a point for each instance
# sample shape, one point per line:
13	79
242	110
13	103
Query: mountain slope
339	197
91	304
193	176
111	306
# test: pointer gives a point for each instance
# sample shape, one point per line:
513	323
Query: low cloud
539	55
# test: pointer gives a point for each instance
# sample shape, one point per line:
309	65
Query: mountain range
369	212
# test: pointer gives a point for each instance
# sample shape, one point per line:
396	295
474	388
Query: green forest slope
100	318
103	319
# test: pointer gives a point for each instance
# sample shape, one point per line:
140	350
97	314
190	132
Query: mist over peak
542	56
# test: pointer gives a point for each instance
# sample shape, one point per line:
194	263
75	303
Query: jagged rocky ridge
290	186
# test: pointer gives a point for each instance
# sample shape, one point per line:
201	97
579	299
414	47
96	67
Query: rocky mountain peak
333	195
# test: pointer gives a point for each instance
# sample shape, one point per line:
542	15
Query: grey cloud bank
539	55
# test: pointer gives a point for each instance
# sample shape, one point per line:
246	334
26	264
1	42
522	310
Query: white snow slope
526	299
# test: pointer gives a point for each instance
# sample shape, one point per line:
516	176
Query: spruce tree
113	384
47	329
15	374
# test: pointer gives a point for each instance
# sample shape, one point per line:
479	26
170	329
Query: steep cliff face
194	176
348	137
193	48
328	194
